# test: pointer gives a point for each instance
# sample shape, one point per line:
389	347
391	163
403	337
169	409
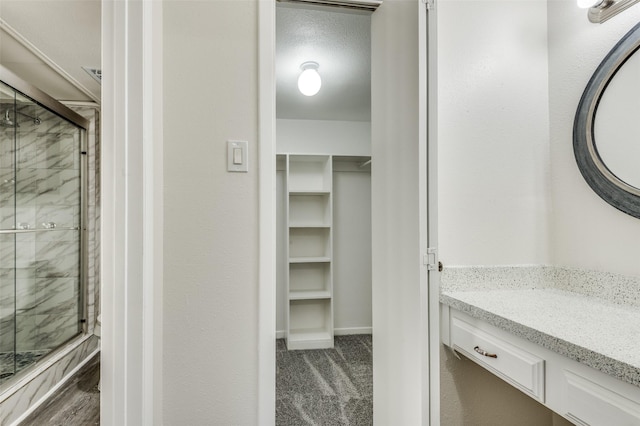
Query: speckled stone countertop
594	331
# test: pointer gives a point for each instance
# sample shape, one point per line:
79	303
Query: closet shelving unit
309	278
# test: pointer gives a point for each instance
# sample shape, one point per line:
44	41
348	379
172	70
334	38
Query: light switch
237	156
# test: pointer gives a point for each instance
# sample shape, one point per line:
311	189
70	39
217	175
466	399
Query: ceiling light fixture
601	10
309	81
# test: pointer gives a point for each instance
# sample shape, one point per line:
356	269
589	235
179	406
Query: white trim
131	388
88	104
429	50
267	213
54	389
348	331
429	281
153	189
423	127
352	330
44	58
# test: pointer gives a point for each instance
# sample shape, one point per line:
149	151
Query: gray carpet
325	387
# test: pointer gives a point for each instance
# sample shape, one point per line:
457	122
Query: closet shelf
309	294
309	225
321	259
309	339
309	285
308	192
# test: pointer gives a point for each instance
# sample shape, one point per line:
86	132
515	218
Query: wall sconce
309	81
601	10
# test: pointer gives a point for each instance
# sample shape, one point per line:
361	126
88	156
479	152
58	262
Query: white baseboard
351	330
280	334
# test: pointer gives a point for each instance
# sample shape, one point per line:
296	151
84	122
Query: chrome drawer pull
485	353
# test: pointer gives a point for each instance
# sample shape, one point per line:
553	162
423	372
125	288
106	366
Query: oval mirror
606	132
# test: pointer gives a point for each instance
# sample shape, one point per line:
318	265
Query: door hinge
430	259
429	3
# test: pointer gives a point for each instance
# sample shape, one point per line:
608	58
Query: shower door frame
44	100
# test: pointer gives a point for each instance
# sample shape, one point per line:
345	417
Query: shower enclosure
42	168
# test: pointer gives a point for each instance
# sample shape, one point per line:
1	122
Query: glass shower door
43	230
7	241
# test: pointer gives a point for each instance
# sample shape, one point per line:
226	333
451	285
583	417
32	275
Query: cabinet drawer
588	403
506	360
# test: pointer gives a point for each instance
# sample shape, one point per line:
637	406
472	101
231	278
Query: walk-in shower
42	218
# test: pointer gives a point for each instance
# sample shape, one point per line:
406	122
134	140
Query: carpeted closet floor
325	387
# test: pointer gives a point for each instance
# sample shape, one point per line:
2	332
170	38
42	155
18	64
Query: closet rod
366	5
366	163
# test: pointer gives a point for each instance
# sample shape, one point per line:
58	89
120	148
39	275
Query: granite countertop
596	332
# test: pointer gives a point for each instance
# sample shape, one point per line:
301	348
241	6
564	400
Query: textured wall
211	216
587	232
494	202
323	137
493	132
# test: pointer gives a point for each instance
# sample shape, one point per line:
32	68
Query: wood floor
77	402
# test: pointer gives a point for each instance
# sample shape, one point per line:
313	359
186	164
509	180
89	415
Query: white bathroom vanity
546	331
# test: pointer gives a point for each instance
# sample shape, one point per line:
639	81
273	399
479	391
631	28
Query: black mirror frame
605	183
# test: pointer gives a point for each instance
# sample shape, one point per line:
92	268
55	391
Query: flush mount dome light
309	81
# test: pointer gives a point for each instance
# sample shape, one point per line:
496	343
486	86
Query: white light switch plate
237	156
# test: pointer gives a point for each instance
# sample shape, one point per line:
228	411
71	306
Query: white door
405	314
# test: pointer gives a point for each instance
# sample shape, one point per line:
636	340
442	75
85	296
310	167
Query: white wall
323	137
616	123
211	216
352	252
493	171
587	232
493	132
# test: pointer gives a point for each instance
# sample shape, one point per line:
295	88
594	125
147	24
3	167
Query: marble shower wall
44	266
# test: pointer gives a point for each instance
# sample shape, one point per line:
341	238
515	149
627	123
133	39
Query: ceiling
31	46
337	39
340	42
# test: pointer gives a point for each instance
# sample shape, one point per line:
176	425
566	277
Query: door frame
429	398
131	212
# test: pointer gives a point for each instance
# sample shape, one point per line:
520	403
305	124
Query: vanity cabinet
580	393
